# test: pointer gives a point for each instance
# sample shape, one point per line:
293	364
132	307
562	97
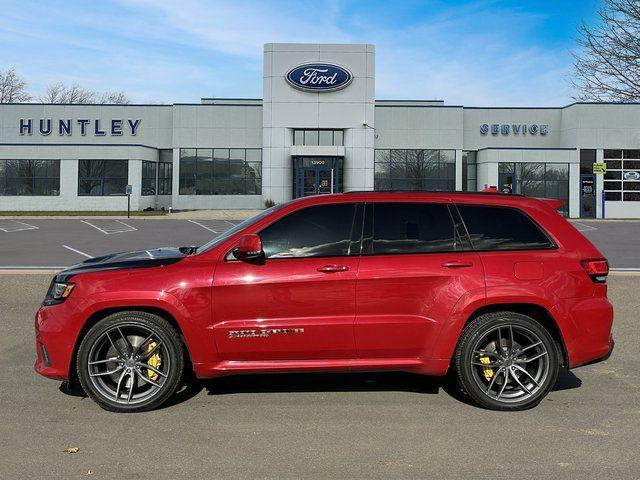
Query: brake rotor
488	372
135	341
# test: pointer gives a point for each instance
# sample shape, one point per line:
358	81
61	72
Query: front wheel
130	362
506	361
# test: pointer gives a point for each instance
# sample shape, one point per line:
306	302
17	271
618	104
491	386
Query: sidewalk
185	215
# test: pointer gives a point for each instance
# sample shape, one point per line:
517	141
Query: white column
135	180
574	190
458	170
599	185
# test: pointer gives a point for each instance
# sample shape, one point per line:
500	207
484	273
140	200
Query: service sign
514	129
600	167
319	77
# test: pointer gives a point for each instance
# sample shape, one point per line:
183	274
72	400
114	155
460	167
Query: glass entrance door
317	175
587	196
317	181
506	182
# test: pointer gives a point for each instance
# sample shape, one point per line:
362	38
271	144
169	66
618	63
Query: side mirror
249	247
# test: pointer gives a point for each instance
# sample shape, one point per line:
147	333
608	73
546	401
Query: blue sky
475	52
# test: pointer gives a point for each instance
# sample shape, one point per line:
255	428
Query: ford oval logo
319	77
632	175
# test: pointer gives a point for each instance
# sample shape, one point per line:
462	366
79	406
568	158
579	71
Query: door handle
333	268
457	264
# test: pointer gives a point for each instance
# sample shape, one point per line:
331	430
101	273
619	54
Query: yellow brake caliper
154	361
487	371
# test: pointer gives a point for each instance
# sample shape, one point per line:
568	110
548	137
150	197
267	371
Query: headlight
58	292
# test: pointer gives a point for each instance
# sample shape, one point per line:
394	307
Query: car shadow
72	390
326	382
566	381
322	382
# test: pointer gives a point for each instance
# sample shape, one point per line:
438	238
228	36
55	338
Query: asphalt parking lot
62	242
320	426
52	243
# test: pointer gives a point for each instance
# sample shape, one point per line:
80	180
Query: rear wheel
130	362
506	361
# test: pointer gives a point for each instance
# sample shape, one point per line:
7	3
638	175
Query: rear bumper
591	340
603	358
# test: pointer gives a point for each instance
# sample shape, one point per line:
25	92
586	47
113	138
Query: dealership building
318	129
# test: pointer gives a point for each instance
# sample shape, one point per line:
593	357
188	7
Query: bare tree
13	89
117	98
75	94
61	93
607	68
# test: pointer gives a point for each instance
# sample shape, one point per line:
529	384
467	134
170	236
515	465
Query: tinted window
29	177
323	231
497	228
412	228
102	177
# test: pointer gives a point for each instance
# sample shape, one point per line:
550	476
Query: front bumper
55	340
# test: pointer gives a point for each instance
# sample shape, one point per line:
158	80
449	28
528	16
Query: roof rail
444	192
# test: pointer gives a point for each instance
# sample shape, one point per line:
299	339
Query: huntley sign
67	127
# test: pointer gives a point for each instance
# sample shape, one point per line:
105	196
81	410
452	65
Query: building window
415	170
469	171
220	171
318	137
102	177
30	177
541	180
587	159
148	178
622	180
165	172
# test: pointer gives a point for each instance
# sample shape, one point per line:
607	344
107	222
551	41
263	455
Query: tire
509	346
123	373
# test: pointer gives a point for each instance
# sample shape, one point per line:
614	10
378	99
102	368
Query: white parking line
30	270
9	226
77	251
109	227
204	226
585	227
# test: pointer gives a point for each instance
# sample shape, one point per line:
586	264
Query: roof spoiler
554	203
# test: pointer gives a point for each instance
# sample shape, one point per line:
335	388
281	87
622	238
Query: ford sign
319	77
631	175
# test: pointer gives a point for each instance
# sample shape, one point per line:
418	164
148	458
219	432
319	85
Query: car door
299	303
416	265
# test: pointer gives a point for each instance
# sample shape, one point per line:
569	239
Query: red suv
499	289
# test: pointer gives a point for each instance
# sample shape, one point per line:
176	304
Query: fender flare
466	309
145	299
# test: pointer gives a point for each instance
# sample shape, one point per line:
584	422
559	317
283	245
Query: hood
156	257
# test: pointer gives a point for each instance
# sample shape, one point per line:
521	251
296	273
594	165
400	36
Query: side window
322	231
502	228
412	228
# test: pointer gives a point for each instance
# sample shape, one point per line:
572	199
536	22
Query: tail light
597	269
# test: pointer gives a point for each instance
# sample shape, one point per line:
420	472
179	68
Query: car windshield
229	233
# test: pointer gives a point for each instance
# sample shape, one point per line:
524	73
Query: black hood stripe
108	263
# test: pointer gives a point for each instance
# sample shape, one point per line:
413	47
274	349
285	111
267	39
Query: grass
74	213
